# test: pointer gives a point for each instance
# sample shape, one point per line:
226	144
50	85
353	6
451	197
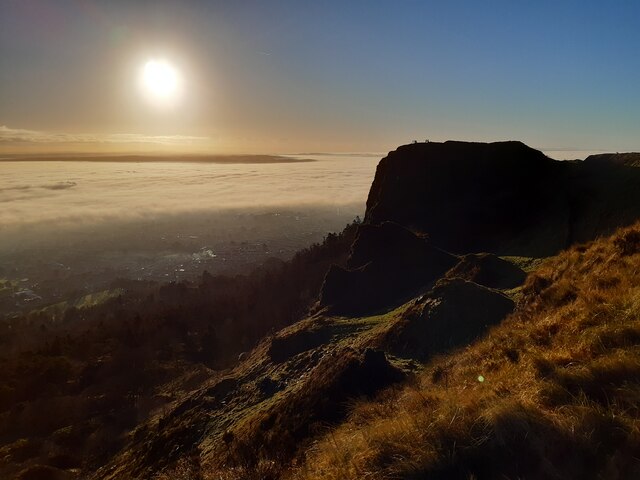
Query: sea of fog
70	227
84	192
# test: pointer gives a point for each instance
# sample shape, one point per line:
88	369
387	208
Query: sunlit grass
559	396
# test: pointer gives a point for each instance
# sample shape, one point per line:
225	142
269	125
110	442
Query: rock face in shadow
43	472
630	159
453	314
505	197
387	263
488	270
284	347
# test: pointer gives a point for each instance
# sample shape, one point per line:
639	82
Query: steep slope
75	384
256	419
502	197
553	392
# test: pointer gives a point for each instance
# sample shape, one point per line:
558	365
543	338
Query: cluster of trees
100	368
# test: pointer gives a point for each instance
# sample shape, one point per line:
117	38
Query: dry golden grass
553	392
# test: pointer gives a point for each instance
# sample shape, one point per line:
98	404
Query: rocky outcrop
285	346
322	400
454	313
488	270
505	197
630	159
387	263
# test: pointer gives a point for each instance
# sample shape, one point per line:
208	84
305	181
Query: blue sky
286	76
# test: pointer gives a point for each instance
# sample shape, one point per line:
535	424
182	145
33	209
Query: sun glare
160	82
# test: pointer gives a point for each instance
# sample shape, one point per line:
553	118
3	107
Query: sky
326	76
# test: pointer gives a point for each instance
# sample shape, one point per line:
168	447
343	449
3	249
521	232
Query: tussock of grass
552	392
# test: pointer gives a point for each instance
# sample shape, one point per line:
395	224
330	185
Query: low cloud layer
36	196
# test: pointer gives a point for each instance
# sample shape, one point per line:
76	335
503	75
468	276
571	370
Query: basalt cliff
504	197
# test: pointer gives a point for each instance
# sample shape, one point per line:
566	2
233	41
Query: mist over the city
70	228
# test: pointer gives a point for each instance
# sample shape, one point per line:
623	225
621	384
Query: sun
160	82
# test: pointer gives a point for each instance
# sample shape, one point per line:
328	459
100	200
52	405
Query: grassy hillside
552	392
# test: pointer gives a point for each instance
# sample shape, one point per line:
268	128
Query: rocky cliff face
630	159
504	197
431	201
387	263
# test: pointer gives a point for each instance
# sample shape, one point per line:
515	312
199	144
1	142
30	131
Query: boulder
285	346
488	270
453	314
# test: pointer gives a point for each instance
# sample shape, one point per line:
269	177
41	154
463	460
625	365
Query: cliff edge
503	197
